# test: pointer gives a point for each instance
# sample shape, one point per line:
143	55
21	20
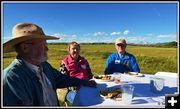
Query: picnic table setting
128	90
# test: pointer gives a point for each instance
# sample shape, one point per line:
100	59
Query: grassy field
150	59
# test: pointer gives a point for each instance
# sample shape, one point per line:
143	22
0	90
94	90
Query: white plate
136	74
133	73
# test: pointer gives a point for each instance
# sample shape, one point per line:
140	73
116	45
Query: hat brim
9	46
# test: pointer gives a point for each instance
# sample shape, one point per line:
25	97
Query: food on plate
104	77
117	80
97	76
112	93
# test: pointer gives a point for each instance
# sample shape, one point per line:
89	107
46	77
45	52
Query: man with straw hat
30	80
121	61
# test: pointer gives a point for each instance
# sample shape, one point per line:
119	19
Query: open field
150	59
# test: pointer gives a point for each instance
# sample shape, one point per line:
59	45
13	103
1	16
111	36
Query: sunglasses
120	45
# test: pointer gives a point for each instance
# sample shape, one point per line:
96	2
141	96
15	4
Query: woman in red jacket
75	65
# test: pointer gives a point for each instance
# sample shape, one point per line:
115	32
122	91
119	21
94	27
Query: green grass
150	59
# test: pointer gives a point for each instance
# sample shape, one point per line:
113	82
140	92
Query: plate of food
104	77
111	93
136	74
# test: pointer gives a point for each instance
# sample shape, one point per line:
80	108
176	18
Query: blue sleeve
109	65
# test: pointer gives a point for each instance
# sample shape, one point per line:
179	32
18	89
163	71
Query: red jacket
77	69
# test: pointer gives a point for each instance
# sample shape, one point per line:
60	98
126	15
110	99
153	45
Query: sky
91	22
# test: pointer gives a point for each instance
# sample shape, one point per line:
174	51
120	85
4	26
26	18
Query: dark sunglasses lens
120	45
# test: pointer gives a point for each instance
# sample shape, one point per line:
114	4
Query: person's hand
92	83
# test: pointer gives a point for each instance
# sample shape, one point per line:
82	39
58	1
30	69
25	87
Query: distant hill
172	44
169	44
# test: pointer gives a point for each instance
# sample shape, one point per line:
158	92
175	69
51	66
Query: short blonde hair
72	43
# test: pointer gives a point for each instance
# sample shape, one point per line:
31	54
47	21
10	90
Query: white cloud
100	34
137	39
109	38
167	36
115	33
150	34
64	35
88	34
151	38
126	32
96	34
74	35
56	34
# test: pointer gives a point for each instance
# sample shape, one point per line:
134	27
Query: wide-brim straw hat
23	32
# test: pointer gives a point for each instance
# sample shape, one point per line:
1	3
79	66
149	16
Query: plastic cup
127	94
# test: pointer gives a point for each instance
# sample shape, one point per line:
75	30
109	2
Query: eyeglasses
120	45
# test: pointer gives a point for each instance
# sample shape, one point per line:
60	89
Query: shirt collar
125	56
34	68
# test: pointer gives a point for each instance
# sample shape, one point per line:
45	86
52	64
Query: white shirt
49	95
